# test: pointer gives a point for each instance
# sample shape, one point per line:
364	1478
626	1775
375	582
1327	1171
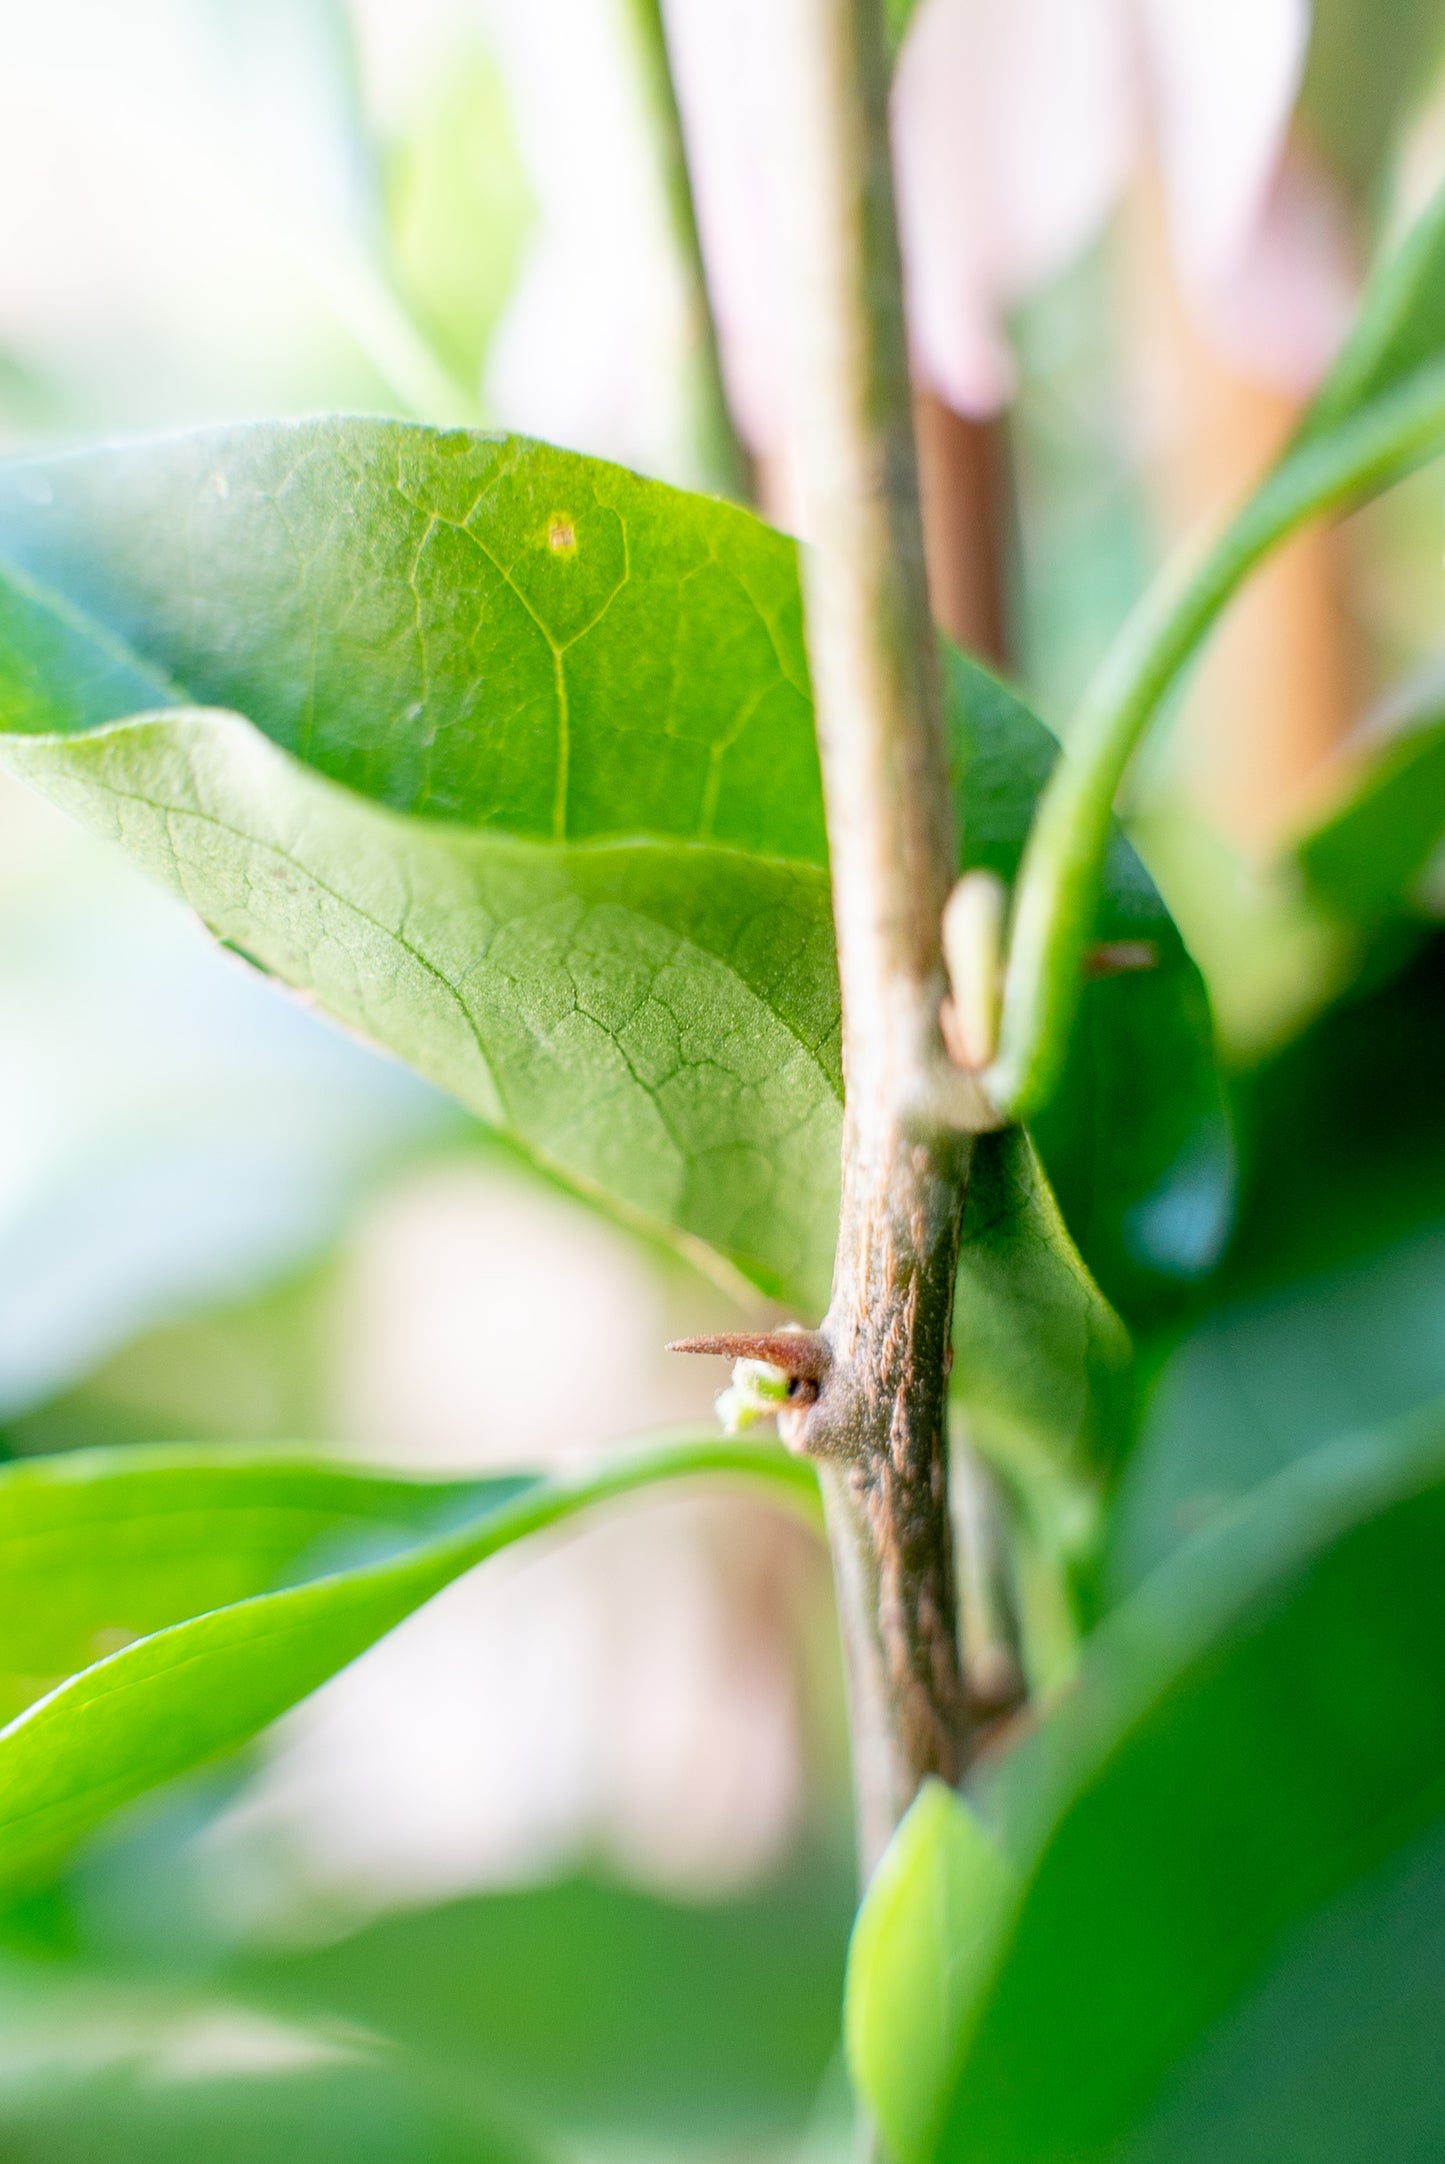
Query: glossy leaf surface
575	869
1041	1360
207	1595
1255	1735
102	1548
507	757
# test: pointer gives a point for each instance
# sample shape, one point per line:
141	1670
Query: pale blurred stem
724	458
877	1428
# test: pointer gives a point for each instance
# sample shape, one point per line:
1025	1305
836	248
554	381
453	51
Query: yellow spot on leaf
561	535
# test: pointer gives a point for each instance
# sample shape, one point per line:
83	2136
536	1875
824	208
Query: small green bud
759	1391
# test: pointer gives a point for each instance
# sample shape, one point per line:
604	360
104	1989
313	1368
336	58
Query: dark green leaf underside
1371	857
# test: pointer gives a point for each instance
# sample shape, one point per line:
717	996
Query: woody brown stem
878	1426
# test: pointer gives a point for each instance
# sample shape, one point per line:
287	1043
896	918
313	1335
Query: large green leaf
658	1023
575	869
103	1547
723	2032
1325	1315
171	2084
207	1593
526	788
1254	1737
1334	2056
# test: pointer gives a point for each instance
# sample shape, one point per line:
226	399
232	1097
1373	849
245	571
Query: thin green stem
1059	880
725	460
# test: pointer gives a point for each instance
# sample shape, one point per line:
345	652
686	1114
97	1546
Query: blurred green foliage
1368	68
1200	1912
458	213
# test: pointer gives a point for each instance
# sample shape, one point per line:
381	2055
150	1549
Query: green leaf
657	1024
928	1923
1267	1380
1325	1317
244	1583
1379	414
1253	1737
104	1547
326	2103
1369	858
900	14
723	2032
1366	68
1398	338
1041	1361
526	789
575	870
1334	2056
605	922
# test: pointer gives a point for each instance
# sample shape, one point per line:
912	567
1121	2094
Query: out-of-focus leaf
1366	67
600	2008
575	869
1368	859
102	1548
900	15
1325	1316
356	2112
144	2073
458	211
1396	348
1271	958
1334	2056
1041	1360
1253	1737
243	1585
1265	1381
923	1939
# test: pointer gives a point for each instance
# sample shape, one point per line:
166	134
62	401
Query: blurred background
575	1841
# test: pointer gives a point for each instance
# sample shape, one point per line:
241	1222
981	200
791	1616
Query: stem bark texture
878	1426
